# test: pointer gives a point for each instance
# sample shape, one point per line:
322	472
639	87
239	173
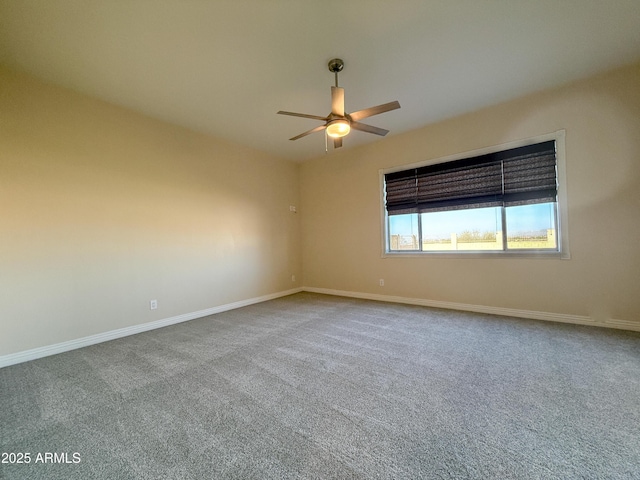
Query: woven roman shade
519	176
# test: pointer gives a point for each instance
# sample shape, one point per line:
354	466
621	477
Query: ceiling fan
339	123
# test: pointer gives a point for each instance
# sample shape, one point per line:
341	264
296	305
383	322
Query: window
494	202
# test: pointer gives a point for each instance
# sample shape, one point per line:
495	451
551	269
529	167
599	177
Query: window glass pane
403	232
469	229
532	226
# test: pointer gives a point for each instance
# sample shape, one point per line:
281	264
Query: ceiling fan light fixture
338	128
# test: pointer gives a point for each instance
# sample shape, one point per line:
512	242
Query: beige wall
341	208
102	210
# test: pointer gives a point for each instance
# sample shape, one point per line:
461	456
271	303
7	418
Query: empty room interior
201	276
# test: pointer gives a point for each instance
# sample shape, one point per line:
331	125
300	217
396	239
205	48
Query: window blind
518	176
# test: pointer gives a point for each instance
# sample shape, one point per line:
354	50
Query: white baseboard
48	350
507	312
622	324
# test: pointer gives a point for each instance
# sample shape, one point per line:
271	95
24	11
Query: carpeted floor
312	386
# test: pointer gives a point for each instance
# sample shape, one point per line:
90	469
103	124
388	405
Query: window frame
561	205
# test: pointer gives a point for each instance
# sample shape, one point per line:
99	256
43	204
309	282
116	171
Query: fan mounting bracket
336	65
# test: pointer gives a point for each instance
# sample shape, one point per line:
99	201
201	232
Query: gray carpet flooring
313	386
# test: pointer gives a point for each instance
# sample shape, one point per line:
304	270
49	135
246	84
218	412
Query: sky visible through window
522	219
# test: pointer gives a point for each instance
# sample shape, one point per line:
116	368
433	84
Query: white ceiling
225	67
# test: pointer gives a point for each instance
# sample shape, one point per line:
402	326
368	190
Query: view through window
529	227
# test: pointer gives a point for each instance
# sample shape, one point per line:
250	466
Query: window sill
479	254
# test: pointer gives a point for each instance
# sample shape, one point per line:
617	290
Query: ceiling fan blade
337	142
303	115
370	112
313	130
337	101
363	127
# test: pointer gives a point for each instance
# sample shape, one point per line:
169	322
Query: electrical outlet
293	278
153	304
382	282
293	209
